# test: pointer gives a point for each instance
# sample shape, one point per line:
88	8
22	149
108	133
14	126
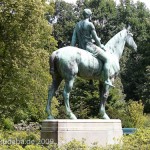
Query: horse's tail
52	62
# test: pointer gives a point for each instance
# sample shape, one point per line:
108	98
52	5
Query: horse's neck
116	44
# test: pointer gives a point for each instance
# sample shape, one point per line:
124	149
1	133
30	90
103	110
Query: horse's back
74	61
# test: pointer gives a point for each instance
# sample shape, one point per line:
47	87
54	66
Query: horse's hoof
72	116
105	116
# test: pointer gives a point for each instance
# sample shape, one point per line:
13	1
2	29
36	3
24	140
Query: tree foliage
66	18
25	44
135	66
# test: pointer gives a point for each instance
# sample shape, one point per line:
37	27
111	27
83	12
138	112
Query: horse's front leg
66	94
104	93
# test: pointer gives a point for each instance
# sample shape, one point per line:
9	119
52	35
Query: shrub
3	147
138	140
130	113
15	147
13	135
75	145
135	111
53	146
147	122
35	147
7	124
20	115
21	138
32	137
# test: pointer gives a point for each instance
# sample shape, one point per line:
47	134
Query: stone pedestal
62	131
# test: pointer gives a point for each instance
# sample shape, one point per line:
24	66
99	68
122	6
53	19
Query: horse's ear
129	27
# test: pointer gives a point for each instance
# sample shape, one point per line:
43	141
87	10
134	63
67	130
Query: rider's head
87	13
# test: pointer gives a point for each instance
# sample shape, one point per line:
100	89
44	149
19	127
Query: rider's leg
102	55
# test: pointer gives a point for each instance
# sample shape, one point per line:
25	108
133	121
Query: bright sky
147	2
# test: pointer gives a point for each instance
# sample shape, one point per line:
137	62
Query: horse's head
129	39
116	44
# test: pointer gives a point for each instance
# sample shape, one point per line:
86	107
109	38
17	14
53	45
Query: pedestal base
62	131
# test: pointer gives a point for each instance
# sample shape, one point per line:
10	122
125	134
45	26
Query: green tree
145	90
134	80
25	44
66	18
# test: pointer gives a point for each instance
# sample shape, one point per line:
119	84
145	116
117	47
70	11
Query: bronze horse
70	62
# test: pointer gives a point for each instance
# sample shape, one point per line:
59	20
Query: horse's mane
111	45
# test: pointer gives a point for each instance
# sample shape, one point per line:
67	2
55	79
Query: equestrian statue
88	59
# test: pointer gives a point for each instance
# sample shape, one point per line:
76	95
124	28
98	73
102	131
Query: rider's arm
74	38
95	37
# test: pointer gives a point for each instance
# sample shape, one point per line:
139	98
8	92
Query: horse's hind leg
104	92
66	94
51	92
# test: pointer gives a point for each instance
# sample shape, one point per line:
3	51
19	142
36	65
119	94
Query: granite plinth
62	131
